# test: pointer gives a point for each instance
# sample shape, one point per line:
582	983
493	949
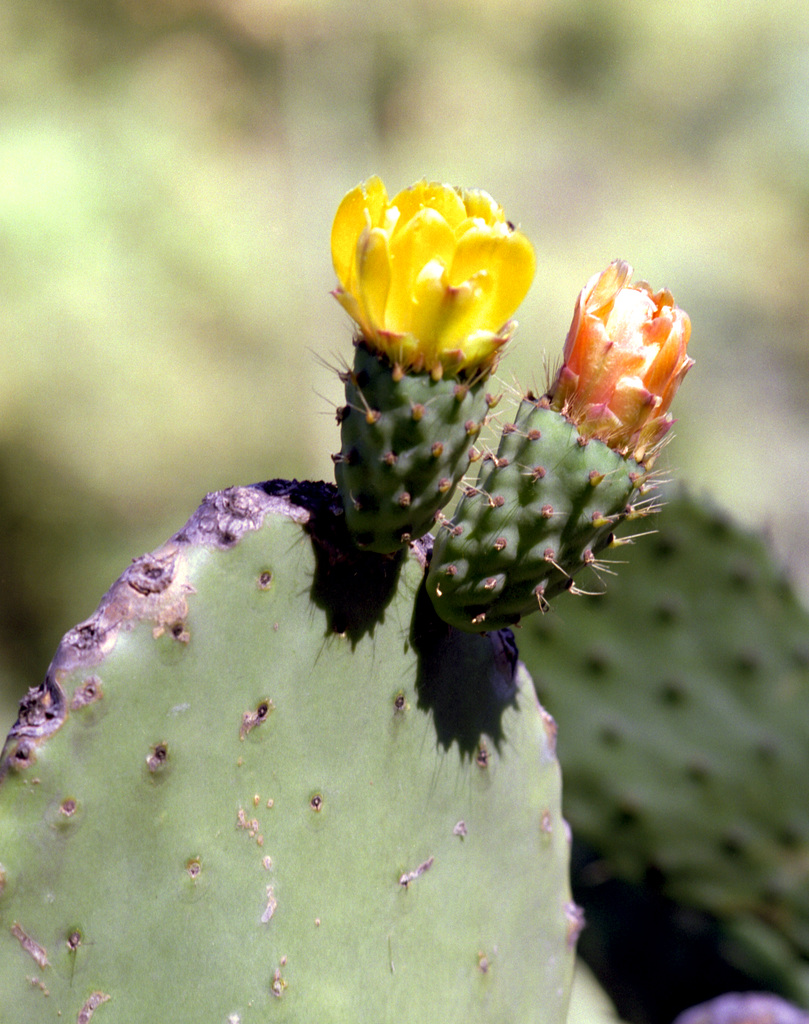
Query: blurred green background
168	175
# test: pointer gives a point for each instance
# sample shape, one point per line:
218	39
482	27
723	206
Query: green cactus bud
406	441
543	508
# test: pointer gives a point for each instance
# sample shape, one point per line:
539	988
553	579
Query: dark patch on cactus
224	517
91	1005
37	953
250	719
158	757
179	632
42	712
88	692
352	586
150	574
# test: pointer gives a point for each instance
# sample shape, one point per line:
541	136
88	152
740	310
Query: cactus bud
431	277
624	359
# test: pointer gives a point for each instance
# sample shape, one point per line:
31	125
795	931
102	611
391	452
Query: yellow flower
625	357
432	277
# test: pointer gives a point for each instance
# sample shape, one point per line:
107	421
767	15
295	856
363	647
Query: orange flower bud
625	356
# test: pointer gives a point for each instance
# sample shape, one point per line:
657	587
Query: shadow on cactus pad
467	680
351	586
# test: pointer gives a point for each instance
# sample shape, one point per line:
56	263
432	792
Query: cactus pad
405	445
264	783
543	508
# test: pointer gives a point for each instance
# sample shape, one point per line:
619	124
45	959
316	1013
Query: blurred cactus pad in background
168	174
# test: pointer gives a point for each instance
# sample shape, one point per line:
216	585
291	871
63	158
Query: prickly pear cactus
265	783
270	779
431	278
682	695
574	463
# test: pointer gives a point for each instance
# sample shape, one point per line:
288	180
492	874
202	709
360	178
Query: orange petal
601	290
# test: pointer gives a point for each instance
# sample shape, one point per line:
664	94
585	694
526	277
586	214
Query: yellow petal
507	259
406	350
362	207
349	304
373	272
480	348
431	277
429	306
465	314
479	204
441	198
424	238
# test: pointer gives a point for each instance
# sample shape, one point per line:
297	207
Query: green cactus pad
543	508
405	445
264	783
682	695
589	1004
